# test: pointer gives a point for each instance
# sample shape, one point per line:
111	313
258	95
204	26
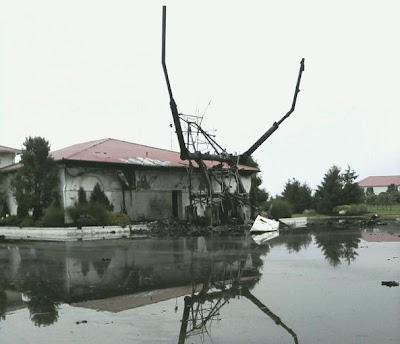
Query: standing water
306	286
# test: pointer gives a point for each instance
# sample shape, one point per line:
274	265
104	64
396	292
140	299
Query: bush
11	220
309	212
100	213
120	219
359	209
3	208
53	217
353	209
98	196
27	221
280	208
82	195
342	209
89	214
76	212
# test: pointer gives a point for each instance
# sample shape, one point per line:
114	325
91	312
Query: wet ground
306	286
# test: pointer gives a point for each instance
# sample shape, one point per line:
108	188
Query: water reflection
40	276
337	246
203	307
340	246
294	241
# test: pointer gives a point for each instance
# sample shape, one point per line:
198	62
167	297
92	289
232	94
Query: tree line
337	192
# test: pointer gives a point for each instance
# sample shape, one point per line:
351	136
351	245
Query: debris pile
172	227
390	283
169	227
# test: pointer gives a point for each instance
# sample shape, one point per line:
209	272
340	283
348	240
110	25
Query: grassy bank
391	211
384	212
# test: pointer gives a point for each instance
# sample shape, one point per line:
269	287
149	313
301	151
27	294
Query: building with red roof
380	183
145	182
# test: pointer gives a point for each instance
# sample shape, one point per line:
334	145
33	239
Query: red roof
122	152
380	181
4	149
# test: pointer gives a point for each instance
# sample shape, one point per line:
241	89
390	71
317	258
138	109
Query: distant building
7	156
380	183
7	159
145	182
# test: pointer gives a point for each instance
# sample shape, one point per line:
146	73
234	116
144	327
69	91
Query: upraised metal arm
222	157
172	104
275	126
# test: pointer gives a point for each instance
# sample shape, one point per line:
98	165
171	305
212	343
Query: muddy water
310	286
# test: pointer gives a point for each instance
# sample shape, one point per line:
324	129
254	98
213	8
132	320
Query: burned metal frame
225	171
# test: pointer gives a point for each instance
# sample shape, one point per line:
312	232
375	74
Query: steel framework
224	195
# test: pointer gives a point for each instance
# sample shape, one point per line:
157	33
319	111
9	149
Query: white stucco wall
378	189
150	196
6	160
5	187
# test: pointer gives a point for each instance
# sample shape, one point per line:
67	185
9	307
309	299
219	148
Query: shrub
4	208
309	212
359	209
27	221
353	209
120	219
98	196
11	220
82	195
280	208
100	213
89	214
344	209
76	212
53	217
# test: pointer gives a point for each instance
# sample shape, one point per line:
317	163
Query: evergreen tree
369	191
391	189
352	192
82	196
330	193
34	182
298	195
98	196
337	189
258	196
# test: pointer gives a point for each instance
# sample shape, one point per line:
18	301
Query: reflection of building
377	236
146	182
379	183
79	271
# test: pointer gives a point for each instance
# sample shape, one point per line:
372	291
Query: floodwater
307	286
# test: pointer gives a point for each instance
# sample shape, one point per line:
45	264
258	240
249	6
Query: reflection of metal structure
223	183
203	308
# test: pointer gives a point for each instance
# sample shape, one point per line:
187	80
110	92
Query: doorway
176	200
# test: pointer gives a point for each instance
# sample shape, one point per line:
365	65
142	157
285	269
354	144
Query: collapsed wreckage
225	196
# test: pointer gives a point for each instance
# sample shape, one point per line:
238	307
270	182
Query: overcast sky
74	71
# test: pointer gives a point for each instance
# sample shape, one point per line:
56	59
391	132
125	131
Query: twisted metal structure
223	181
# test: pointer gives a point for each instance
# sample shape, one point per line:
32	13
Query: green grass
385	211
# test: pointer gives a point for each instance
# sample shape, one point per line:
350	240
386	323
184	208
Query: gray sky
74	71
